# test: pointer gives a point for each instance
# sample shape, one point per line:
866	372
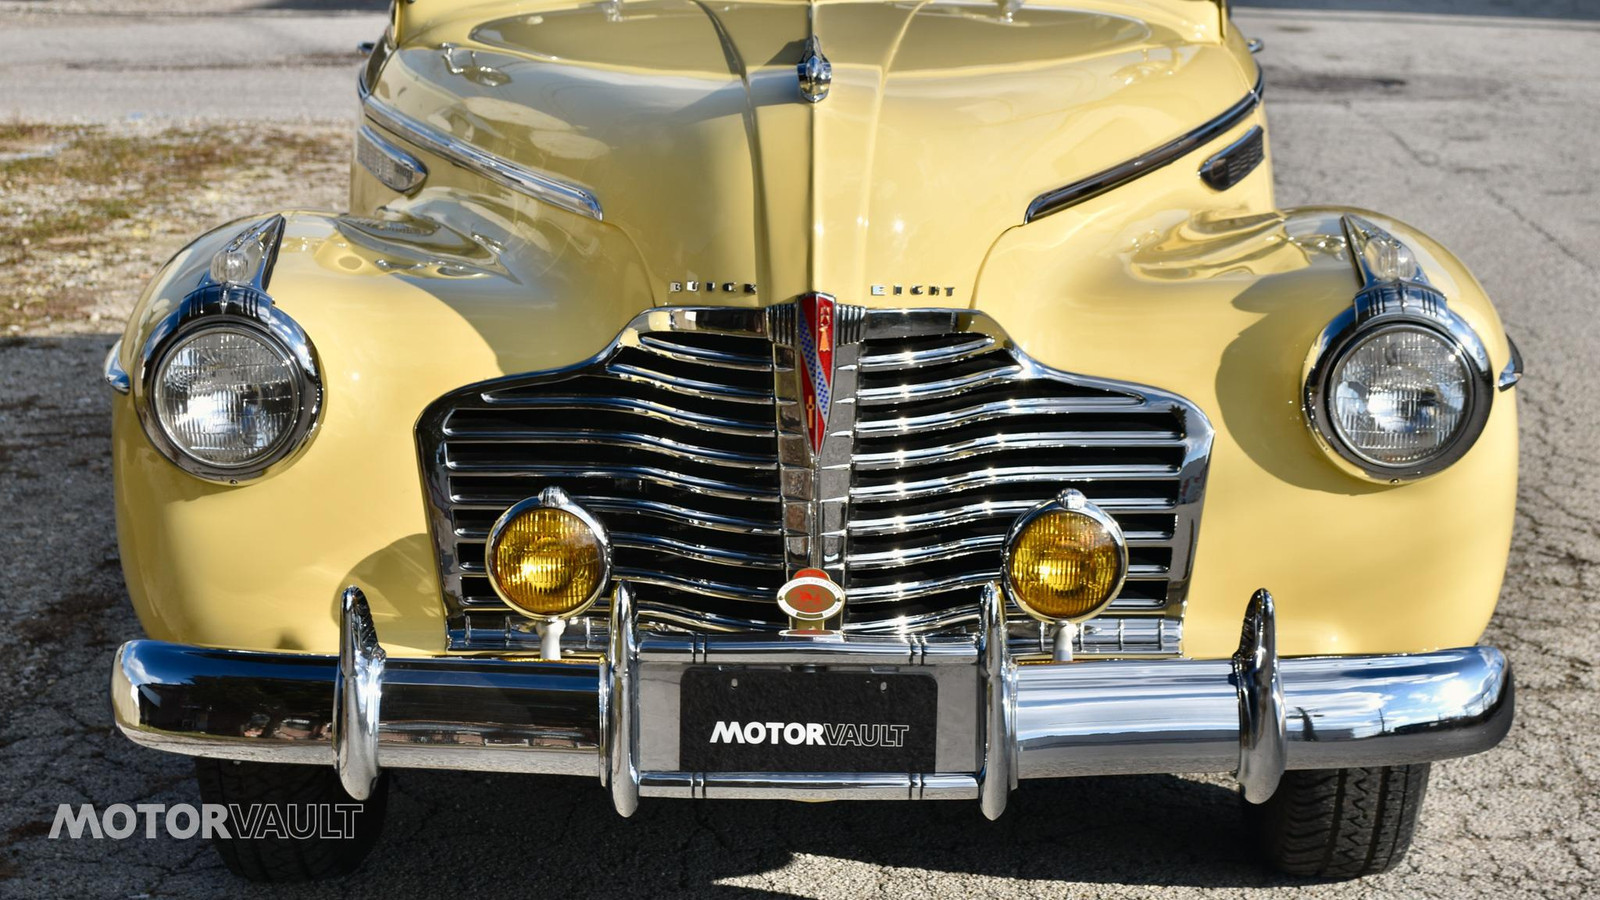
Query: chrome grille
672	437
957	435
667	437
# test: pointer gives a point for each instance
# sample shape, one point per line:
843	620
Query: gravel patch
88	213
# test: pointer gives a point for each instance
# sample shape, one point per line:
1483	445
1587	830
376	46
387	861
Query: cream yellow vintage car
847	400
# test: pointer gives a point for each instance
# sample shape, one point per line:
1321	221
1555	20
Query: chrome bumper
1254	715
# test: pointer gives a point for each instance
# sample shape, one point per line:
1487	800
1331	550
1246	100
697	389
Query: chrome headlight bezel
1392	304
240	307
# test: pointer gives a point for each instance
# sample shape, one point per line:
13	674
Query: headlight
1399	395
228	397
1397	387
1065	560
547	557
227	390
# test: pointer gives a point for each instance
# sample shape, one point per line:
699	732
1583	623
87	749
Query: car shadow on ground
1156	831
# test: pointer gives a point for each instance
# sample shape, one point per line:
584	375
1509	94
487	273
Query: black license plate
763	720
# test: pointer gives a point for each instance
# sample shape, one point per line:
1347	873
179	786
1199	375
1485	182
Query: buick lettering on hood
816	401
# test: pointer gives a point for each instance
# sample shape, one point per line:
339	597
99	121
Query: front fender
400	310
1223	309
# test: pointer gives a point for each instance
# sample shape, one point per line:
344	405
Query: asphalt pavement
1477	125
125	60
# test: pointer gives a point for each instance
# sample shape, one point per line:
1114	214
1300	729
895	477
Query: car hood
943	122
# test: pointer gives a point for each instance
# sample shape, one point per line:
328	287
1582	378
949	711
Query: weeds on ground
73	197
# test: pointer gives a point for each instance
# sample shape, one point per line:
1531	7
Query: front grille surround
680	436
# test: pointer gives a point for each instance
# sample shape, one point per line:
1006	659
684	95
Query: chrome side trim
1262	733
377	58
537	185
1512	373
357	692
113	372
1117	176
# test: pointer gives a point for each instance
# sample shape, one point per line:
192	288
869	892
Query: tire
288	859
1338	824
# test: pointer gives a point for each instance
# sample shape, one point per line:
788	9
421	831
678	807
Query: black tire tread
281	860
1340	823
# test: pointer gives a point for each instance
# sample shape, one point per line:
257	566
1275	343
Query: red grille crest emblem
817	326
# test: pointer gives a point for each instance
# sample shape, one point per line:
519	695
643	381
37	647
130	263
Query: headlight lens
1399	396
228	397
545	561
1066	563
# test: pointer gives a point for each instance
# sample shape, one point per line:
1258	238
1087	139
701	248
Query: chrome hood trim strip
537	185
1117	176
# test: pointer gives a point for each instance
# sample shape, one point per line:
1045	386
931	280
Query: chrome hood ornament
816	73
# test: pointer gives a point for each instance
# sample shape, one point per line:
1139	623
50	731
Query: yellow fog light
547	557
1065	560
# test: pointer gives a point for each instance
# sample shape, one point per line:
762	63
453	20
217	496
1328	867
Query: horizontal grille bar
940	420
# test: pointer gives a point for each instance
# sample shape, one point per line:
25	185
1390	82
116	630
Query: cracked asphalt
1478	128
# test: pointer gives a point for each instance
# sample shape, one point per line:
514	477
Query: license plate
762	720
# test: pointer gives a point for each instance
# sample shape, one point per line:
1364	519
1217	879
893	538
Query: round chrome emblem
811	597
